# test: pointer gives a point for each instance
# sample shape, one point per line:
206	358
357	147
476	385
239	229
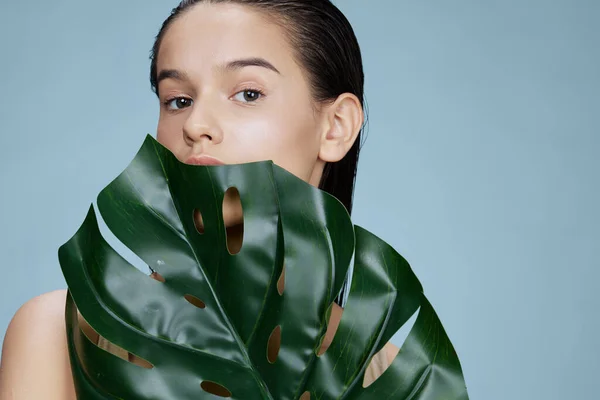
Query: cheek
288	138
169	134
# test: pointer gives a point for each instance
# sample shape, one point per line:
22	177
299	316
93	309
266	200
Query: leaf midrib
220	307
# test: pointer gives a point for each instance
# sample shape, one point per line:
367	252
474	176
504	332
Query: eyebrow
171	74
230	66
249	62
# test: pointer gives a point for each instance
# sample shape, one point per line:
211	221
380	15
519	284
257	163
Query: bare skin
35	361
218	99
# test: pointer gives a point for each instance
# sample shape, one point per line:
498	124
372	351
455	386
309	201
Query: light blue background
481	166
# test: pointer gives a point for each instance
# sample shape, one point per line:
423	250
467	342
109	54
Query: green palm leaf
206	328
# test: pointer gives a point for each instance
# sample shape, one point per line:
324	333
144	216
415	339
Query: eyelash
168	100
260	93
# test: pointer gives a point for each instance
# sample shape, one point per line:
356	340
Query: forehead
213	34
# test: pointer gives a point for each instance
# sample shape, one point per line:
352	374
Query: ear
342	121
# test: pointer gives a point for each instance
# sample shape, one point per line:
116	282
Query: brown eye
178	103
248	96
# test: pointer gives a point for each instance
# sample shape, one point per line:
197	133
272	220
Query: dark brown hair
328	51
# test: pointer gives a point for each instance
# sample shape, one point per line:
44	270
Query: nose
201	125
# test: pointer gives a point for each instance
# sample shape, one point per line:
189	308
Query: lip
203	160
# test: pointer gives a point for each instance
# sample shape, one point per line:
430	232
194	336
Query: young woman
238	81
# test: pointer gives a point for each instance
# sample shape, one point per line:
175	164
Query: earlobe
343	121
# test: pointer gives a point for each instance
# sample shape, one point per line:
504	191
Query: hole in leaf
332	326
305	396
274	345
281	282
193	300
382	360
233	216
89	332
215	388
113	241
99	341
198	221
139	361
158	277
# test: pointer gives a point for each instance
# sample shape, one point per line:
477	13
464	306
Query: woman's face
230	89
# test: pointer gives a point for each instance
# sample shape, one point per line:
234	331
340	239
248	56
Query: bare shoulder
35	362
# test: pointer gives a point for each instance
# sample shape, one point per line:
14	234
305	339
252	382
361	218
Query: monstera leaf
205	329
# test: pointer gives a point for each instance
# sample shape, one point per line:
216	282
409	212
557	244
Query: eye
248	95
178	103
